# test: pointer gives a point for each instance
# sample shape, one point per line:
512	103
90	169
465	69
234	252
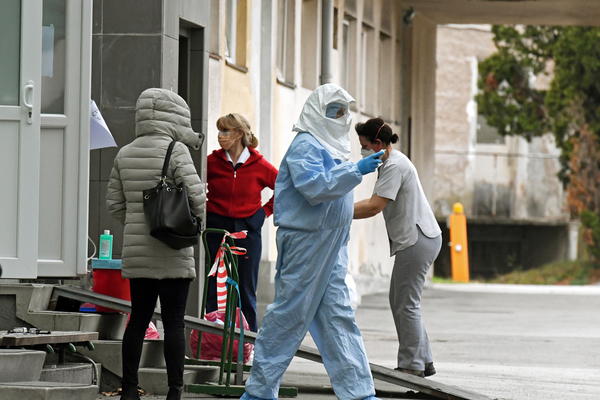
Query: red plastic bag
211	343
151	331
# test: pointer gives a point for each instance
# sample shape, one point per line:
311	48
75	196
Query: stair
31	303
24	377
152	372
154	380
18	365
40	390
69	372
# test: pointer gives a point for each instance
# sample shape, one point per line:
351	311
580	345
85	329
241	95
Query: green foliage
509	99
568	107
561	273
591	221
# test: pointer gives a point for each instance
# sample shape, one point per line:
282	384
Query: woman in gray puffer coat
153	268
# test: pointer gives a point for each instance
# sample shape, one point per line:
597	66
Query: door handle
28	94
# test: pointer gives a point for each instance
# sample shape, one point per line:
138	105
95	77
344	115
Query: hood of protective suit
160	111
332	133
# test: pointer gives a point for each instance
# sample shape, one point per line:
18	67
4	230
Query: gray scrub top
399	182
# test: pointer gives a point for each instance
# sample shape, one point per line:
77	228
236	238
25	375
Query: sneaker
414	372
429	369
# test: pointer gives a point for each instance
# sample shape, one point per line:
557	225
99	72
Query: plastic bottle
106	244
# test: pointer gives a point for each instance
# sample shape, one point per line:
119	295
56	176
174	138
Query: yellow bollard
459	254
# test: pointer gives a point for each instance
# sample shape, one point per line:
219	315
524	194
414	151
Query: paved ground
507	342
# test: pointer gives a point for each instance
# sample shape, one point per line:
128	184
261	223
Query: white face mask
366	152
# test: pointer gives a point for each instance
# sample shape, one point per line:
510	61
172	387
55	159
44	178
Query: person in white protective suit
313	210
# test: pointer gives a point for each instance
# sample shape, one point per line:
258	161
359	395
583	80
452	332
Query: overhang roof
527	12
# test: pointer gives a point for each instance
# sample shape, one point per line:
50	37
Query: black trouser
173	296
247	264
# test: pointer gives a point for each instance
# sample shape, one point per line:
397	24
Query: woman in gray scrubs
415	240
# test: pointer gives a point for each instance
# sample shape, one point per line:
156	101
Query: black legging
173	296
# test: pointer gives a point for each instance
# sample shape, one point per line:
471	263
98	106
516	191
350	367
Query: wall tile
94	212
130	64
95	165
97	69
97	16
121	123
170	61
132	16
106	221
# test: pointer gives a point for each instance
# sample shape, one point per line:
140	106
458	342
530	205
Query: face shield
335	110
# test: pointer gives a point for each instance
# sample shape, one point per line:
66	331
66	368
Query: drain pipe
326	40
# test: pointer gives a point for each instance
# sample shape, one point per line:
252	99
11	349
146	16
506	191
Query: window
10	47
215	24
53	57
487	134
386	16
348	56
310	60
368	10
285	40
398	83
235	32
386	67
368	72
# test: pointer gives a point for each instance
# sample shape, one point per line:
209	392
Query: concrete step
20	365
108	326
69	372
29	304
154	380
108	353
41	390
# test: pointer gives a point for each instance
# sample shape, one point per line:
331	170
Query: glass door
20	76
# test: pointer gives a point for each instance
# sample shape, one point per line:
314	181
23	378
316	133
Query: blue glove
370	163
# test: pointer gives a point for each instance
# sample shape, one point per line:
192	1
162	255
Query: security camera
409	15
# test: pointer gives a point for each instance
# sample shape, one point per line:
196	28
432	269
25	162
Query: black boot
175	393
129	394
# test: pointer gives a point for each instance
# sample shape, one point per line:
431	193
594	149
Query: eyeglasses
225	133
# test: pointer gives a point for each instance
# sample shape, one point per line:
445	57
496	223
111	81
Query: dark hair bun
359	128
376	129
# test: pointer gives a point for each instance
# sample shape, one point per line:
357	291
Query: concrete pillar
573	232
424	37
266	289
326	41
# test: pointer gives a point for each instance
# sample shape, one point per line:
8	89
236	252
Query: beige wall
231	90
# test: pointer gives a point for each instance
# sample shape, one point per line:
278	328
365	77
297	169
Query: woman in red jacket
236	176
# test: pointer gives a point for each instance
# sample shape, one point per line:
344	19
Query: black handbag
168	213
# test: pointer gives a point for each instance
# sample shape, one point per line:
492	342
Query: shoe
175	393
130	394
415	372
429	369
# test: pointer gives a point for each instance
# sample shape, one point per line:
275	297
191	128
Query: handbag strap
167	159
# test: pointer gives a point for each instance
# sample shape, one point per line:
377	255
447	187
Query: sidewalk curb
587	290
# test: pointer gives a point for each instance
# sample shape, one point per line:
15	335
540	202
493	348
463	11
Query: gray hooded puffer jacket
160	117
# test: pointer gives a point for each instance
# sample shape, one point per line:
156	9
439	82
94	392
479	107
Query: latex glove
370	163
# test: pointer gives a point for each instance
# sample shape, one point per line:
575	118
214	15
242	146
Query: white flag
100	136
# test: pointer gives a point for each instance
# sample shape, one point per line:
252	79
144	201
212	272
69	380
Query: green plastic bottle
106	244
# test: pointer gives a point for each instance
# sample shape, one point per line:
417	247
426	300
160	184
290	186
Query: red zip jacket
235	193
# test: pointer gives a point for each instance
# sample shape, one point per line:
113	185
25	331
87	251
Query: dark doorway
184	64
191	86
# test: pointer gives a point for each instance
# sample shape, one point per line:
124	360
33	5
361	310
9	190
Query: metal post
326	40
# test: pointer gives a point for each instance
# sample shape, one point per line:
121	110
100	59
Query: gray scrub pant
408	279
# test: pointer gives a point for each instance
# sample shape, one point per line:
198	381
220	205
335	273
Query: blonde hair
239	122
